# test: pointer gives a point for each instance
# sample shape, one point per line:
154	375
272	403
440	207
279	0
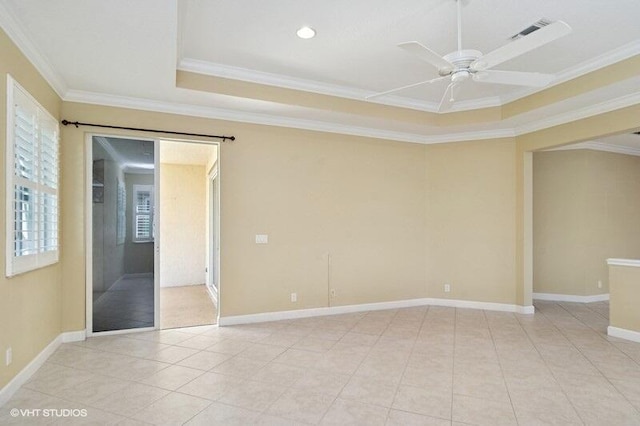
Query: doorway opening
189	255
584	211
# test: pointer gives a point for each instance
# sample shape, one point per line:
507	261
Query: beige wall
586	209
373	220
182	224
471	220
358	202
624	297
30	303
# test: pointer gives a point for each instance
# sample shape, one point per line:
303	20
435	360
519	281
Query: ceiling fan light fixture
460	76
306	33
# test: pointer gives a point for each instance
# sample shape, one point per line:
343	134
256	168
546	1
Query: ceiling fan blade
516	78
447	98
397	89
544	35
427	55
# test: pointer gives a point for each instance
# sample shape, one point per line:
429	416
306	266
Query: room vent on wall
543	22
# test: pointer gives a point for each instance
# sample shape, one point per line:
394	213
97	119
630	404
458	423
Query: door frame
213	274
88	229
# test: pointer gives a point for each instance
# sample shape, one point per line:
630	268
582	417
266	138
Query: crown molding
600	146
579	114
244	74
270	79
624	262
272	120
12	27
322	126
285	82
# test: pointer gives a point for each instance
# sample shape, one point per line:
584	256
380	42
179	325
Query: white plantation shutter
32	183
121	208
143	213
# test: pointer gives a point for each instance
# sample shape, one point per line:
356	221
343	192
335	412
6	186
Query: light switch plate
262	239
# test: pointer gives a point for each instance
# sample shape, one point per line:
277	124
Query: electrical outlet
262	239
599	284
447	288
8	358
294	297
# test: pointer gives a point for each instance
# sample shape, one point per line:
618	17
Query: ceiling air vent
543	22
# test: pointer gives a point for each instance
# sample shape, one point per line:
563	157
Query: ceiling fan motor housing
462	60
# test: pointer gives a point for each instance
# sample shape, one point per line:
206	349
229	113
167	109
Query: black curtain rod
77	123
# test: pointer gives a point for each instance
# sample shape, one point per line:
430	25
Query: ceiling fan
462	65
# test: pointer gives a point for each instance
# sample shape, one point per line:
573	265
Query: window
143	225
32	183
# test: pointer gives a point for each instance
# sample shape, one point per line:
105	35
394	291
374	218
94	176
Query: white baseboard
173	285
623	333
74	336
553	297
25	374
335	310
527	310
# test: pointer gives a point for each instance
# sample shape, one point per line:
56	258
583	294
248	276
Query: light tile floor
417	366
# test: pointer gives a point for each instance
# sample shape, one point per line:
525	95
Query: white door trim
157	237
88	233
214	248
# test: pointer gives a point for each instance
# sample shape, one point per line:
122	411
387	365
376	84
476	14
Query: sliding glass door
123	234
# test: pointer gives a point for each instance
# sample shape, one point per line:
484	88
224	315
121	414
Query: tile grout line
549	369
495	348
594	366
395	394
453	366
351	375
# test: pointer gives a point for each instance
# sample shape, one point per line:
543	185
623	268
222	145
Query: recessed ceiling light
306	32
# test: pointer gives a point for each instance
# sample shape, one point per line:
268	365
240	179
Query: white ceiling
126	54
356	42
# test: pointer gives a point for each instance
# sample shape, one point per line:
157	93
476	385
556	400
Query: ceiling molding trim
277	80
285	82
600	146
579	114
619	54
237	73
115	156
14	30
270	120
